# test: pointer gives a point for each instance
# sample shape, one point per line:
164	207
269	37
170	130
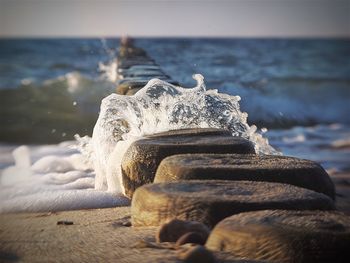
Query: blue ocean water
299	90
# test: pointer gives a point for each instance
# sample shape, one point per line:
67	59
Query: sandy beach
99	235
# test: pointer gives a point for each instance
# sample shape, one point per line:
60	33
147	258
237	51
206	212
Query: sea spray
158	107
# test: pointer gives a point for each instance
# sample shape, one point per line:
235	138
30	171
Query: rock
65	222
210	201
174	229
269	168
127	224
190	238
141	160
284	236
197	254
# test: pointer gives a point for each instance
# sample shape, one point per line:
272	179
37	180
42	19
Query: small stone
65	222
175	229
126	224
197	254
191	237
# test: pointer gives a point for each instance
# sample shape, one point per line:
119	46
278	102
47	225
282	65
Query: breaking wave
63	178
157	107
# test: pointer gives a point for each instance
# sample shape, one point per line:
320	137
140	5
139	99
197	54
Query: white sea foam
158	107
59	179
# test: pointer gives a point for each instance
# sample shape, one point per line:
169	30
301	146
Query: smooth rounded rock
174	229
210	201
197	254
142	158
284	236
269	168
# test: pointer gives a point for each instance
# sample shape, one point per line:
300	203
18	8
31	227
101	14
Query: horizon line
68	36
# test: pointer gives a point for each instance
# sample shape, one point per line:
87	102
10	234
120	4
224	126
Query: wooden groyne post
136	68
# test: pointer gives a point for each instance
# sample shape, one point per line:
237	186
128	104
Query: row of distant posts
136	68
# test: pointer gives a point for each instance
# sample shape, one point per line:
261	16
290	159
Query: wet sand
98	235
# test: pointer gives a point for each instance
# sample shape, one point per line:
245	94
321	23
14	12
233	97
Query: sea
295	91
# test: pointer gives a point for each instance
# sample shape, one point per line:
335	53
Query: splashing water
53	178
158	107
109	70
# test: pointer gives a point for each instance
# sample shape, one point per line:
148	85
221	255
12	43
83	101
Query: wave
161	106
328	145
287	102
51	111
56	109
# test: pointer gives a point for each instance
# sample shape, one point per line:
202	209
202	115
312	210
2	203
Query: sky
175	18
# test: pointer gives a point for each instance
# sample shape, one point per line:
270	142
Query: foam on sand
59	179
